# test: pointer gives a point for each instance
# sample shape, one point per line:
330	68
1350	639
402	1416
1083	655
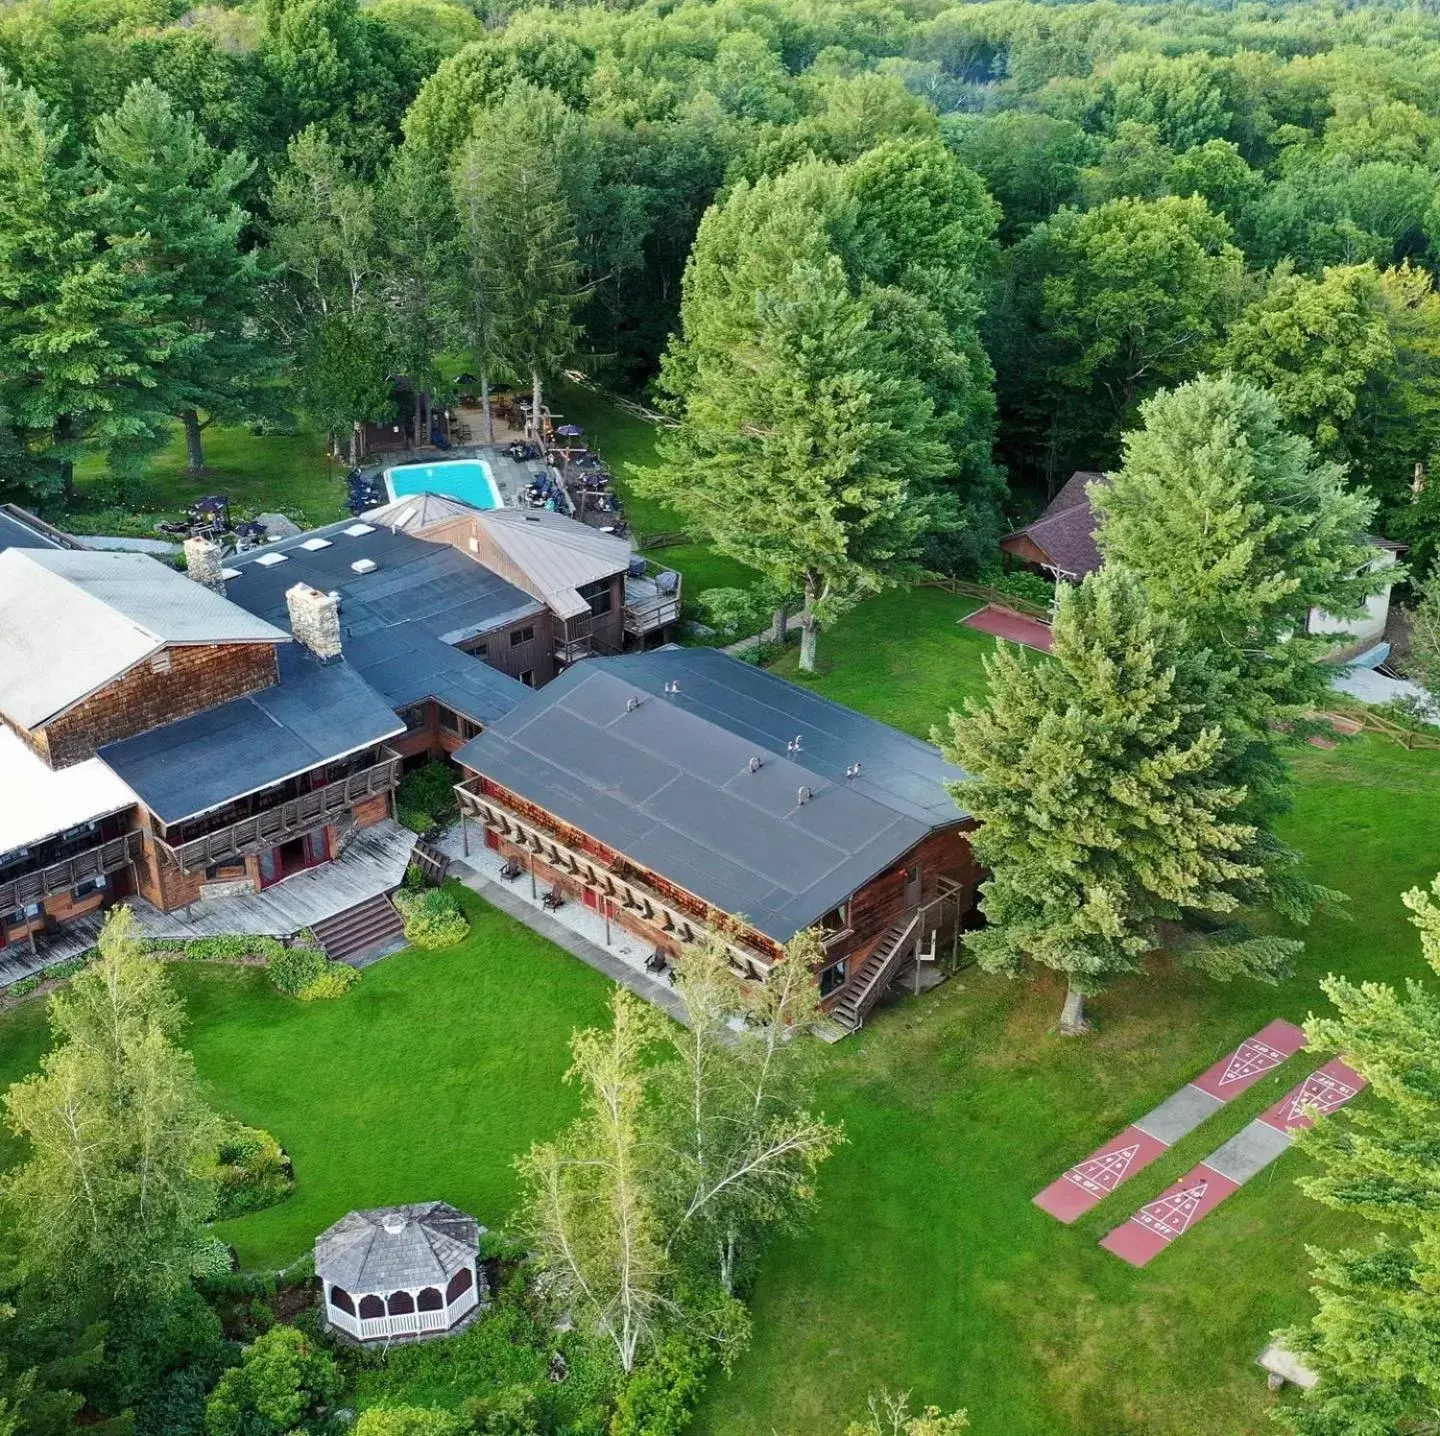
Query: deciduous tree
110	1202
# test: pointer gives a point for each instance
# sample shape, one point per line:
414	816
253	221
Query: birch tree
117	1184
590	1196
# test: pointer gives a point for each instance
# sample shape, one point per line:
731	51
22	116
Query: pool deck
511	478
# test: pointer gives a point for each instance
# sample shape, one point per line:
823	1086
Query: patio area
374	862
25	958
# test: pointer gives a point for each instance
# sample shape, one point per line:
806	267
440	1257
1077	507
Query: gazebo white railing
413	1312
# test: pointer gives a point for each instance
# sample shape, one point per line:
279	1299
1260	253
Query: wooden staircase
362	933
876	972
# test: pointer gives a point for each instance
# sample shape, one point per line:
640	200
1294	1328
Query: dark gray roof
316	713
398	623
445	593
397	1248
668	782
20	529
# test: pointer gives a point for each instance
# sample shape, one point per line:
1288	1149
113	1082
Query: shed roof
364	1255
318	712
1065	532
21	529
75	620
667	780
556	553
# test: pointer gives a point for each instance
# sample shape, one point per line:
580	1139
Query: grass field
925	1267
425	1081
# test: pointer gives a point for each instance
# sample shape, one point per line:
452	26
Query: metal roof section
704	784
75	620
397	1248
414	513
40	802
317	713
385	579
558	554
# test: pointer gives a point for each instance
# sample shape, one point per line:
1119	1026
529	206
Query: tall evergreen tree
1102	802
806	447
167	202
1373	1340
84	335
521	226
1237	528
110	1201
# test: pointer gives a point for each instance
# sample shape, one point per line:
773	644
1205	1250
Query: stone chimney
315	620
202	563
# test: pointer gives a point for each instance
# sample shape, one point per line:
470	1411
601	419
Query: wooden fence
998	597
1372	722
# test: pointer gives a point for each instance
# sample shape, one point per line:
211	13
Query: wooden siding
199	676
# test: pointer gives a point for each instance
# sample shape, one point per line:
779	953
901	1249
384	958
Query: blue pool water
468	480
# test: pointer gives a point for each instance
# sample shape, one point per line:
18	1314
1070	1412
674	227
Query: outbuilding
405	1271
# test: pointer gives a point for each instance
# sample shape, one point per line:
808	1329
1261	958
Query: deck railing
629	893
58	877
285	821
648	607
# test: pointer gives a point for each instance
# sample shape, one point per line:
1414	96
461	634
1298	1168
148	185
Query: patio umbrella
569	431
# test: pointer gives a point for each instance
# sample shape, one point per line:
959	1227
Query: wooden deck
374	863
16	961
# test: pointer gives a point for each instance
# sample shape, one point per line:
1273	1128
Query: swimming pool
468	480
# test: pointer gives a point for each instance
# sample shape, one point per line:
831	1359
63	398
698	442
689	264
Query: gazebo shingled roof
362	1254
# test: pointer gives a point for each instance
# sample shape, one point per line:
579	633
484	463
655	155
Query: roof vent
394	1223
853	771
314	545
359	530
673	686
754	765
532	518
803	796
364	565
631	704
269	560
793	746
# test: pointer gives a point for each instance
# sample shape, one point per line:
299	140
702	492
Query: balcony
652	600
285	821
629	893
61	876
574	639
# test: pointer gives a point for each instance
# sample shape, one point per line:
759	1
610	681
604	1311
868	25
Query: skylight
229	573
269	560
359	530
314	545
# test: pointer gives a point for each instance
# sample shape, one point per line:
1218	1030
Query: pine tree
167	203
1375	1337
110	1202
522	231
1102	807
806	444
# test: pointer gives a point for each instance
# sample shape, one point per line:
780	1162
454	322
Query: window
912	874
833	977
600	595
468	729
528	678
522	635
413	717
836	920
475	650
90	885
449	719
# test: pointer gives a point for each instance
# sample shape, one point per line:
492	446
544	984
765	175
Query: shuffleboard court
1088	1183
1146	1234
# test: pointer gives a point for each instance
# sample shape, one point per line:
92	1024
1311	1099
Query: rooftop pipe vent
803	796
754	765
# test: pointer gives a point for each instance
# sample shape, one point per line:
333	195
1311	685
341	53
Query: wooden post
534	892
605	907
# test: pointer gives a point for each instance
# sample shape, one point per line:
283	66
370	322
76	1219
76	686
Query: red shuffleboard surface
1088	1183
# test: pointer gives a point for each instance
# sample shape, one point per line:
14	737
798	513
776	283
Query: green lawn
286	474
426	1080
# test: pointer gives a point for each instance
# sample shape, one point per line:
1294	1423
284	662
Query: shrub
432	918
336	980
408	1421
295	968
659	1398
1023	584
231	947
281	1379
211	1257
253	1171
426	797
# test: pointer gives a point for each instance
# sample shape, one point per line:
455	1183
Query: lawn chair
552	900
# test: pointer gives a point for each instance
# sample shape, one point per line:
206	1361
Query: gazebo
400	1271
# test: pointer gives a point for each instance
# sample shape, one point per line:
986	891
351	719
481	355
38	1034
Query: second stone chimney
315	620
203	564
